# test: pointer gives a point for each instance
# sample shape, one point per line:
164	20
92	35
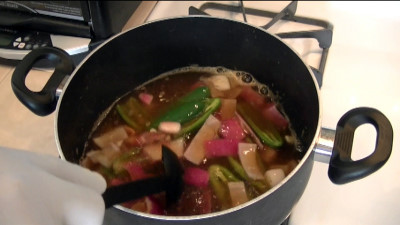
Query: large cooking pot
135	56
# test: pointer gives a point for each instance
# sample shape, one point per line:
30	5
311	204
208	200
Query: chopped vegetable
274	176
195	152
151	137
238	169
248	158
228	108
105	156
146	98
196	177
218	183
135	171
133	114
187	108
177	146
267	133
253	97
200	93
153	206
228	174
115	136
221	147
146	204
154	151
223	85
248	130
237	192
272	114
169	127
195	124
124	115
219	178
290	139
286	167
231	129
182	113
220	82
229	136
119	163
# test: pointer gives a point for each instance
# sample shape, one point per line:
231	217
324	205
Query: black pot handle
341	168
43	102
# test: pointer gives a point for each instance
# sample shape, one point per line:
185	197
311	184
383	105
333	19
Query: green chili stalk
218	183
270	136
238	169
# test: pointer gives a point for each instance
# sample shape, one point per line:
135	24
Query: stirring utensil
171	182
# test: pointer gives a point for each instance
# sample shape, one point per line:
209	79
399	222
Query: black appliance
75	26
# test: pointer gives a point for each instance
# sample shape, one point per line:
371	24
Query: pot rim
227	211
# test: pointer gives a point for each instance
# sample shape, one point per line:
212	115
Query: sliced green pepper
228	174
133	114
219	182
237	167
183	113
191	126
269	135
199	93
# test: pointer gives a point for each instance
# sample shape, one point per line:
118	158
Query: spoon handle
133	190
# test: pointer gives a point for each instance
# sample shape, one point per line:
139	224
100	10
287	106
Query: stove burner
323	36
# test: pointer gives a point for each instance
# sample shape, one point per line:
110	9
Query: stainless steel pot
135	56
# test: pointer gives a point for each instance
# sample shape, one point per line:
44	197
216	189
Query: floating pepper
238	169
133	113
267	133
183	113
219	178
193	125
199	93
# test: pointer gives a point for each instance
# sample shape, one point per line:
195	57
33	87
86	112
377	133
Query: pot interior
138	55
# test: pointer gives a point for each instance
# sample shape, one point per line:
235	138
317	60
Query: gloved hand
41	189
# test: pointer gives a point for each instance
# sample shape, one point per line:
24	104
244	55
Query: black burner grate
323	35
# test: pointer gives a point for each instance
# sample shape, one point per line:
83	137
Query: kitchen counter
19	127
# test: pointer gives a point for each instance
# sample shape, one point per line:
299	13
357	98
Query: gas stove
354	67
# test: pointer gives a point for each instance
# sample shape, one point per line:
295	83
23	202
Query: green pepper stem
271	137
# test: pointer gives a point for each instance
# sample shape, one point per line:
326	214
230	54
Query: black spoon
171	182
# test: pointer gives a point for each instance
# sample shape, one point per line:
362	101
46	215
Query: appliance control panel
10	39
14	44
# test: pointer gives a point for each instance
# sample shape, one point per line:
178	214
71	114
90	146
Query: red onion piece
196	177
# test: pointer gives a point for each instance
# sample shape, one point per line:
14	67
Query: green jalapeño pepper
199	93
133	113
238	169
219	178
182	113
195	124
267	133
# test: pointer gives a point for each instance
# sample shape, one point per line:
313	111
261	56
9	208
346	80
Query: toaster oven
75	26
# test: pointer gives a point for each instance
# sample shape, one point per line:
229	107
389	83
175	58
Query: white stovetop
363	69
